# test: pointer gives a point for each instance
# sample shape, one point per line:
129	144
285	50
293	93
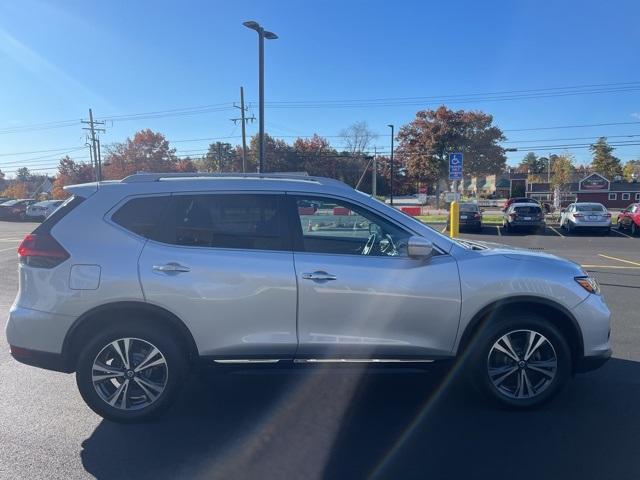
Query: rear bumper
36	358
37	331
518	224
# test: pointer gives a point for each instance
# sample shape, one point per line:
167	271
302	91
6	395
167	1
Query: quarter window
335	227
141	215
249	222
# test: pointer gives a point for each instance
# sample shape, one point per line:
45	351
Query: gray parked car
585	216
525	216
130	283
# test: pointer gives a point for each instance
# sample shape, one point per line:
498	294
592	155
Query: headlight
589	284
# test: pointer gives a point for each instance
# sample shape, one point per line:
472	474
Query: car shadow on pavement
362	422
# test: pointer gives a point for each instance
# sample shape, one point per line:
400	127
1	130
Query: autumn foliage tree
71	173
17	189
425	142
147	151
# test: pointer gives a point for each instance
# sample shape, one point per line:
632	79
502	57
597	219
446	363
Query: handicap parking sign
455	166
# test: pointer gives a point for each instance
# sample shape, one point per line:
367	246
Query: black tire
619	224
145	331
634	229
570	228
477	365
606	231
507	227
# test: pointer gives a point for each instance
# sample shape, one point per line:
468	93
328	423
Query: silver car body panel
239	303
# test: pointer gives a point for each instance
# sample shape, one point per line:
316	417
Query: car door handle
171	268
318	276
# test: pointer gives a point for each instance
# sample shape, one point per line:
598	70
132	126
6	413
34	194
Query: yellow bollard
454	220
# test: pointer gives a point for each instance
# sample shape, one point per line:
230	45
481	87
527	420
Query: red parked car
629	219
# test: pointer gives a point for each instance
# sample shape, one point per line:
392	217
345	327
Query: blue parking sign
455	166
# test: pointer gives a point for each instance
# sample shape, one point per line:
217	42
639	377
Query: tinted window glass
527	210
329	226
589	208
468	207
227	221
141	215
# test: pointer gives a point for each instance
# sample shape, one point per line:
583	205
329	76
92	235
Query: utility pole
94	142
392	169
374	173
243	120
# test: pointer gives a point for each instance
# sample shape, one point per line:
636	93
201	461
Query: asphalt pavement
353	422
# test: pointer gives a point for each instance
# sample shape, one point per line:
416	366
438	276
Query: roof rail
300	176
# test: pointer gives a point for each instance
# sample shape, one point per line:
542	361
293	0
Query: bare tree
357	137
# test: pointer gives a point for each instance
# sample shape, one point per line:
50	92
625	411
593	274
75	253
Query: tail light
41	251
578	215
607	215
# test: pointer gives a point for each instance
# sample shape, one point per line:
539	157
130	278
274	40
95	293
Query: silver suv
131	283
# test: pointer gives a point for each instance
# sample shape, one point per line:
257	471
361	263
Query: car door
359	294
222	263
624	218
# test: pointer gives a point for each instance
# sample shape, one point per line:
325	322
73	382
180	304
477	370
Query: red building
592	188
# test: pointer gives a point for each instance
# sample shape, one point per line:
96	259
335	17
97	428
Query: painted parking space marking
619	259
619	267
498	229
556	231
7	249
444	229
620	233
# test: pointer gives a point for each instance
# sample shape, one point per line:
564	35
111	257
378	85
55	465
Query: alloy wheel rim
129	373
522	364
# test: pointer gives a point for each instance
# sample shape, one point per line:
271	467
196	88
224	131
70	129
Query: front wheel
521	362
130	373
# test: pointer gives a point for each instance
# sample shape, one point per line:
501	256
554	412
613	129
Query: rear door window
243	221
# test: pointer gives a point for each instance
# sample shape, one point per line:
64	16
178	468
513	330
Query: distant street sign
455	166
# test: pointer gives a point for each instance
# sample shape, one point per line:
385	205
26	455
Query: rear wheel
130	373
634	230
521	362
570	227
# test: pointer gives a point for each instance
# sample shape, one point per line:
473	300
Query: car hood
517	253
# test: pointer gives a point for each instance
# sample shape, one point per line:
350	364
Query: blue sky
57	59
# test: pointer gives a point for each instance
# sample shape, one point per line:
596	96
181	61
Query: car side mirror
419	247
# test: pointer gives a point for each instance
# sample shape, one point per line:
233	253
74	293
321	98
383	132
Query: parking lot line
556	231
499	232
609	266
619	259
444	229
620	233
7	249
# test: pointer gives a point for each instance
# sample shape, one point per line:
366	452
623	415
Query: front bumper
594	319
587	364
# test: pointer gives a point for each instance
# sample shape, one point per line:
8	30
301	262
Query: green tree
279	156
219	158
531	163
23	174
604	162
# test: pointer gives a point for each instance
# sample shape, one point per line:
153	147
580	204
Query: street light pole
262	34
391	189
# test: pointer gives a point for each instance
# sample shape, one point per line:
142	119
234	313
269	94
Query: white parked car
41	210
583	215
